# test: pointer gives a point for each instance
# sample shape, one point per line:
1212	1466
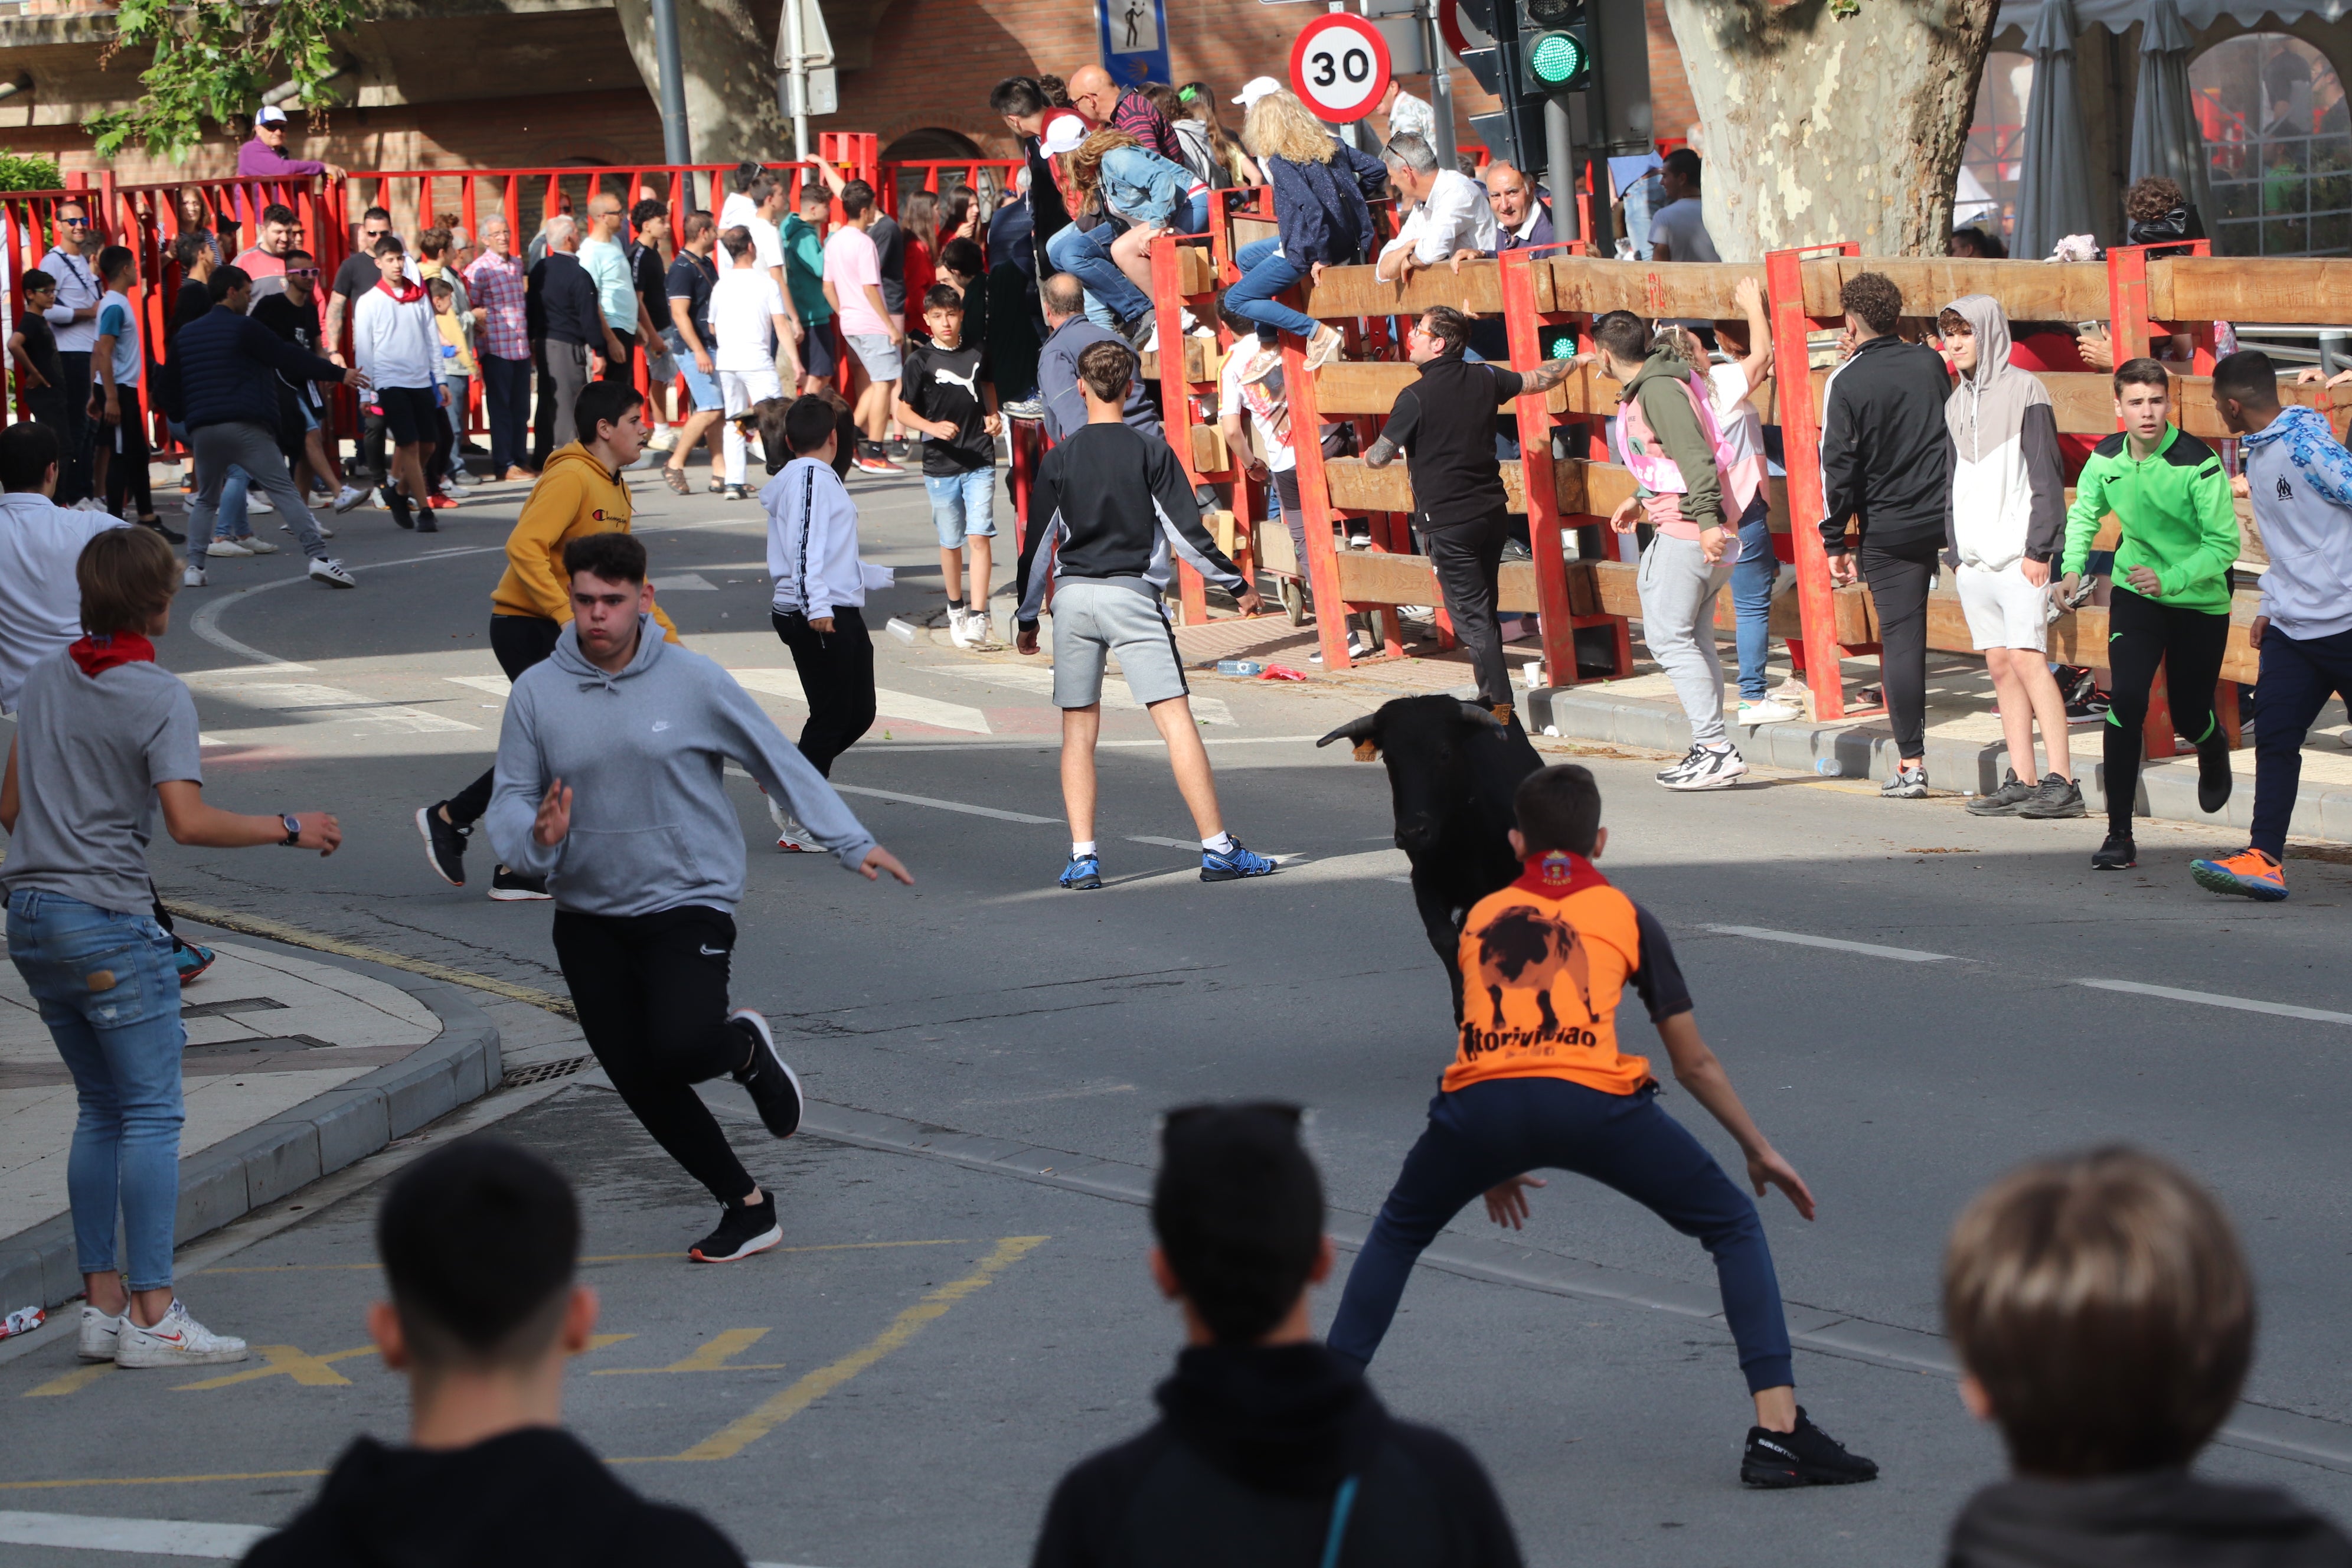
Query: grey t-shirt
89	753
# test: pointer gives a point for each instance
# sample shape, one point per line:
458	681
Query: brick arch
986	133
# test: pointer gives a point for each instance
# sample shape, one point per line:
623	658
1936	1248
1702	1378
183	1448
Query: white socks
1220	845
1080	851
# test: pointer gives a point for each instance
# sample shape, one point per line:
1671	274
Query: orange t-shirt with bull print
1543	964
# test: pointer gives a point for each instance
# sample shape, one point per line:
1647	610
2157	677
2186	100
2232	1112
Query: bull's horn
1356	731
1481	712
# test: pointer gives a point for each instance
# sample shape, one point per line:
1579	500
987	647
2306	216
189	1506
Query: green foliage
25	173
215	58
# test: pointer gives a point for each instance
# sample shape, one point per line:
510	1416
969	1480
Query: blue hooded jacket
226	364
1321	210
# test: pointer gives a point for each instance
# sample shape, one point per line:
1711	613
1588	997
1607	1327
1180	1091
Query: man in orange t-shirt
1538	1081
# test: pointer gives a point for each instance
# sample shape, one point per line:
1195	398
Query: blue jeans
1266	272
1085	253
1753	575
2297	677
235	521
111	995
1493	1131
962	504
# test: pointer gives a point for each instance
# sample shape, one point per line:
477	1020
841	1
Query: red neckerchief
97	655
408	293
1556	873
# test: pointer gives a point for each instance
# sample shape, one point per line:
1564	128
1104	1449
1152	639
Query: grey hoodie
643	752
2008	492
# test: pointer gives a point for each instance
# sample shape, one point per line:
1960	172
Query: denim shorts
701	386
878	353
962	504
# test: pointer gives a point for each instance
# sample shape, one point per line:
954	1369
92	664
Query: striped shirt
495	285
1141	118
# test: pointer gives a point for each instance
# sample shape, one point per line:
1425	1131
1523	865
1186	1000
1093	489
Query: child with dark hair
120	360
2104	1319
945	392
1264	1437
481	1247
819	598
1539	1079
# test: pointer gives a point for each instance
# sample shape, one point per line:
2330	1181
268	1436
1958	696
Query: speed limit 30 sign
1340	65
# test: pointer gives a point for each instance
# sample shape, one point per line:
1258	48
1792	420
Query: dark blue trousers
2296	680
1501	1128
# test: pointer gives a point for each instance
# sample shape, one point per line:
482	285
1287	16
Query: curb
323	1134
1867	751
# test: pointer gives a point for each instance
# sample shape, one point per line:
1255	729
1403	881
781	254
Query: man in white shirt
75	318
1452	218
766	224
398	346
40	541
1407	115
1678	232
749	322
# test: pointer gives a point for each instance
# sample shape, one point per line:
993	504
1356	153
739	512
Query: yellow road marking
601	1257
73	1382
156	1480
295	936
715	1357
287	1361
780	1407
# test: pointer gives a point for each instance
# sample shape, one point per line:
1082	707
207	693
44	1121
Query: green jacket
804	270
2176	513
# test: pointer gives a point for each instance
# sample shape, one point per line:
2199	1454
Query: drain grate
540	1072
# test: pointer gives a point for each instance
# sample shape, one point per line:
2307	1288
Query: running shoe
331	572
188	485
1769	710
192	959
176	1340
1232	863
959	629
1691	759
2213	777
445	844
256	501
1807	1457
775	1088
743	1229
349	497
2248	874
425	523
792	838
100	1332
867	465
194	577
1908	783
1022	409
2089	708
1706	768
441	501
258	546
2055	797
2013	793
515	888
2117	854
1084	874
228	547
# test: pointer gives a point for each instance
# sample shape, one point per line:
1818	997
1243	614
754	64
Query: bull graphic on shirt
1523	951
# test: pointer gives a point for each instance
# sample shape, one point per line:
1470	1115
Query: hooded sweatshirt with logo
576	496
1662	434
2009	488
643	752
2300	478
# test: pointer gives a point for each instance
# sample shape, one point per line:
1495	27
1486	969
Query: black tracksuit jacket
1886	451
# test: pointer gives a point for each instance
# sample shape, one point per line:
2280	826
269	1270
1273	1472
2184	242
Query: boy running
1540	1081
1116	504
747	318
2171	602
625	734
944	392
2300	478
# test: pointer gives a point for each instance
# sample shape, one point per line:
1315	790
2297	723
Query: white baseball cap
270	115
1065	135
1259	85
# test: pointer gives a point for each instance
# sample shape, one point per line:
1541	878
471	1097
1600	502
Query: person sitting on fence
1451	219
1151	197
1321	214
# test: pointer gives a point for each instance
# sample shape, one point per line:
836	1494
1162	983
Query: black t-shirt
356	276
646	267
298	325
690	278
41	347
944	384
890	249
1445	424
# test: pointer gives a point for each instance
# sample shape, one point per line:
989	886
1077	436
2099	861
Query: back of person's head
2101	1303
963	258
1107	369
813	197
645	211
737	241
126	575
856	196
36	279
1018	95
1874	299
297	254
2141	372
1240	326
809	423
442	289
431	242
226	281
478	1241
2248	376
28	450
611	556
1684	164
603	403
1622	336
942	297
761	188
1410	152
117	261
1238	1212
2153	198
745	172
1558	808
1062	294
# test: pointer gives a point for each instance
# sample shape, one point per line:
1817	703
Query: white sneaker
228	547
257	501
792	838
961	632
349	497
331	572
980	629
100	1334
194	577
261	546
178	1341
316	521
1704	769
1771	711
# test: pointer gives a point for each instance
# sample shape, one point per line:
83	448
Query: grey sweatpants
254	449
1678	592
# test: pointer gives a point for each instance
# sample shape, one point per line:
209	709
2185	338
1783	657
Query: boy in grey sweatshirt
610	784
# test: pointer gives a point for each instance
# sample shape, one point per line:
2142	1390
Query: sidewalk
294	1066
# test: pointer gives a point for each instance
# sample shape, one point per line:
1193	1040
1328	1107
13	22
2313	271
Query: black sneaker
2213	777
743	1229
2013	793
514	886
2091	708
2117	854
2055	796
171	535
396	504
1807	1457
774	1087
445	844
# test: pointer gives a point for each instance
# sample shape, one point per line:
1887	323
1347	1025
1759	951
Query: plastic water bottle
1830	768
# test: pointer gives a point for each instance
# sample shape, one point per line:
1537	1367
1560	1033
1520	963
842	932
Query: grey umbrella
2054	198
2166	138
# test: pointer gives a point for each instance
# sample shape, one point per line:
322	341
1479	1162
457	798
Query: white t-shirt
1269	409
40	599
767	245
1742	426
736	212
742	304
1684	228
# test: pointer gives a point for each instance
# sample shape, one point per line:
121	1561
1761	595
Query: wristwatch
293	829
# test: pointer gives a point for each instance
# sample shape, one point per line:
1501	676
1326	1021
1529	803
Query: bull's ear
1480	713
1368	751
1362	733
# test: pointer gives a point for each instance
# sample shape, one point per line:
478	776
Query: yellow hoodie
575	496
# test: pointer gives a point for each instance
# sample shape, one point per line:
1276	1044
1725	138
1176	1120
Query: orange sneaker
2249	874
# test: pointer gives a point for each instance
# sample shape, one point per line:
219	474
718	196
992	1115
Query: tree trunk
731	84
1821	128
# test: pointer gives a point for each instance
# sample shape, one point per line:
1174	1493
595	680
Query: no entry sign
1340	65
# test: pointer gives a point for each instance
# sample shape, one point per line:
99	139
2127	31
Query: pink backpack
1737	480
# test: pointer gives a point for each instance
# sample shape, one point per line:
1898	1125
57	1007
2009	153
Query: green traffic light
1556	58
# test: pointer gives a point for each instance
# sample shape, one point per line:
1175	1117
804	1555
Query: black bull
1453	767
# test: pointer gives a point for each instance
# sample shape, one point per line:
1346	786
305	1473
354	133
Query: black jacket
1886	451
1446	422
559	303
2161	1519
532	1496
228	370
1244	1468
1112	504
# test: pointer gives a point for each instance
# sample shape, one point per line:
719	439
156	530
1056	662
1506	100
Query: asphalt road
1973	1019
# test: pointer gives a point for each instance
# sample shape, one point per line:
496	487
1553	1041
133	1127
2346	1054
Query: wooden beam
1350	291
1587	489
1209	450
1196	271
2028	290
1347	386
1648	289
2192	288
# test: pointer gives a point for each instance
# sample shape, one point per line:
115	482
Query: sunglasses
75	222
301	272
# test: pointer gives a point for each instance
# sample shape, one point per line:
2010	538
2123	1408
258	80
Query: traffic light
1555	47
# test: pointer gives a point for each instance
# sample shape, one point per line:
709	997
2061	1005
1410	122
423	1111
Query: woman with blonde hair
1144	189
1322	217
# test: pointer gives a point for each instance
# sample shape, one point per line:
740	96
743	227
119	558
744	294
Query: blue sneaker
192	961
1084	874
1234	864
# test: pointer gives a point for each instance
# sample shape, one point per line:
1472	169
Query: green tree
26	172
215	58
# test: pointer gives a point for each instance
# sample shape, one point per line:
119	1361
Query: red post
1801	440
1322	561
1176	404
1554	617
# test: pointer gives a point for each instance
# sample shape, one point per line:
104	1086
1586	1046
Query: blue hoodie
644	753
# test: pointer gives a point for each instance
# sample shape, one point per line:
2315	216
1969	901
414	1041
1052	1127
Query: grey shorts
1094	619
878	353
